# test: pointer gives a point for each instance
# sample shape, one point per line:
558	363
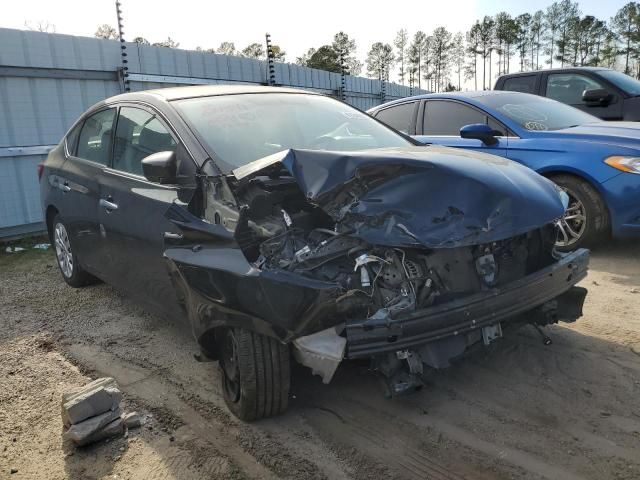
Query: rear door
443	119
132	209
88	150
569	87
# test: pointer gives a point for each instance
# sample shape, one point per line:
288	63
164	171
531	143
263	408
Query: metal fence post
271	68
343	77
123	50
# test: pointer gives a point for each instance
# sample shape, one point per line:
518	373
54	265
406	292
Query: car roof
445	95
175	93
554	70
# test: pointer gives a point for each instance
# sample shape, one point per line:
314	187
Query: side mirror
479	131
160	167
596	97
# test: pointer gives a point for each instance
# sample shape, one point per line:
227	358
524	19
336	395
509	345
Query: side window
568	87
72	139
399	117
447	118
94	142
524	84
497	127
139	134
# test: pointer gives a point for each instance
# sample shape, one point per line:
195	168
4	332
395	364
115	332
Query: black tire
72	272
596	216
255	374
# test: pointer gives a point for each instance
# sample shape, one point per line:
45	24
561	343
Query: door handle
172	236
109	206
65	187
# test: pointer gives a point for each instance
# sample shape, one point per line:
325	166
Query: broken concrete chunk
132	419
86	432
97	397
113	429
99	382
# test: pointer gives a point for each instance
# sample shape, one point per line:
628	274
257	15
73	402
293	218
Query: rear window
72	139
524	84
399	117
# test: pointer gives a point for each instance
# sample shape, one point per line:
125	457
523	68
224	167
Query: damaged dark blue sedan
284	223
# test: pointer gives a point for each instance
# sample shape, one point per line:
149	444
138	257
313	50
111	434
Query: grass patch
28	254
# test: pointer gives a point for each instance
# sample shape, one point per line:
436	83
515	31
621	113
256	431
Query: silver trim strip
25	151
144	77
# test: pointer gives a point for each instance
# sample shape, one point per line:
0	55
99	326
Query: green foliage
226	48
379	61
324	58
254	50
168	43
107	32
401	42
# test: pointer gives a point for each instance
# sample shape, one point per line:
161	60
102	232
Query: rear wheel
72	272
586	220
255	374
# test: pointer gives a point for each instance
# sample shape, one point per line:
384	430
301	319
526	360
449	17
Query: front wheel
586	220
255	374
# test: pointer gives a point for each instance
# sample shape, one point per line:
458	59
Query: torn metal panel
417	197
219	287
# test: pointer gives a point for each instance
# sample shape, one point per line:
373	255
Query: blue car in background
597	163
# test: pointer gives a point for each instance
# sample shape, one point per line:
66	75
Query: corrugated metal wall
48	80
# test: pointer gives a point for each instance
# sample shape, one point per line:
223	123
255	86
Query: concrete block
97	397
87	431
113	429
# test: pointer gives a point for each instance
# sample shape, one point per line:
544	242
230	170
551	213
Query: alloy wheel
572	225
63	250
230	367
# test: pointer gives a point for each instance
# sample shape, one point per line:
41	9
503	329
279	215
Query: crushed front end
399	256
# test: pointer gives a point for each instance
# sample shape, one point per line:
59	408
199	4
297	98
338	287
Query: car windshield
624	82
239	129
536	113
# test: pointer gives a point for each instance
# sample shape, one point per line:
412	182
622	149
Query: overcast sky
295	25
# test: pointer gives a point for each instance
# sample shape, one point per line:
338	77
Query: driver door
569	87
132	209
443	119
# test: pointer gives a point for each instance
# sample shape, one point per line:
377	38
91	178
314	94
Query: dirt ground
518	410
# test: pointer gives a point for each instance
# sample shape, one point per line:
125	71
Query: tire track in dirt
151	389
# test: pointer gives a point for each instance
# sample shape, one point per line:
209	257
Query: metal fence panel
20	191
48	80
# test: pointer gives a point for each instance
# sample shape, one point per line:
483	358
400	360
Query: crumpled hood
420	196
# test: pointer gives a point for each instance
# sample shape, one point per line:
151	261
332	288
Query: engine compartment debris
92	413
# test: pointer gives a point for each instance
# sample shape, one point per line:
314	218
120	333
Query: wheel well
209	344
554	173
50	215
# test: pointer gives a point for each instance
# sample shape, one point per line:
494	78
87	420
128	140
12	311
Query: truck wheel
586	221
72	272
255	374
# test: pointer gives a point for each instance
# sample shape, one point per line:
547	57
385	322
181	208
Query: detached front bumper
479	310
